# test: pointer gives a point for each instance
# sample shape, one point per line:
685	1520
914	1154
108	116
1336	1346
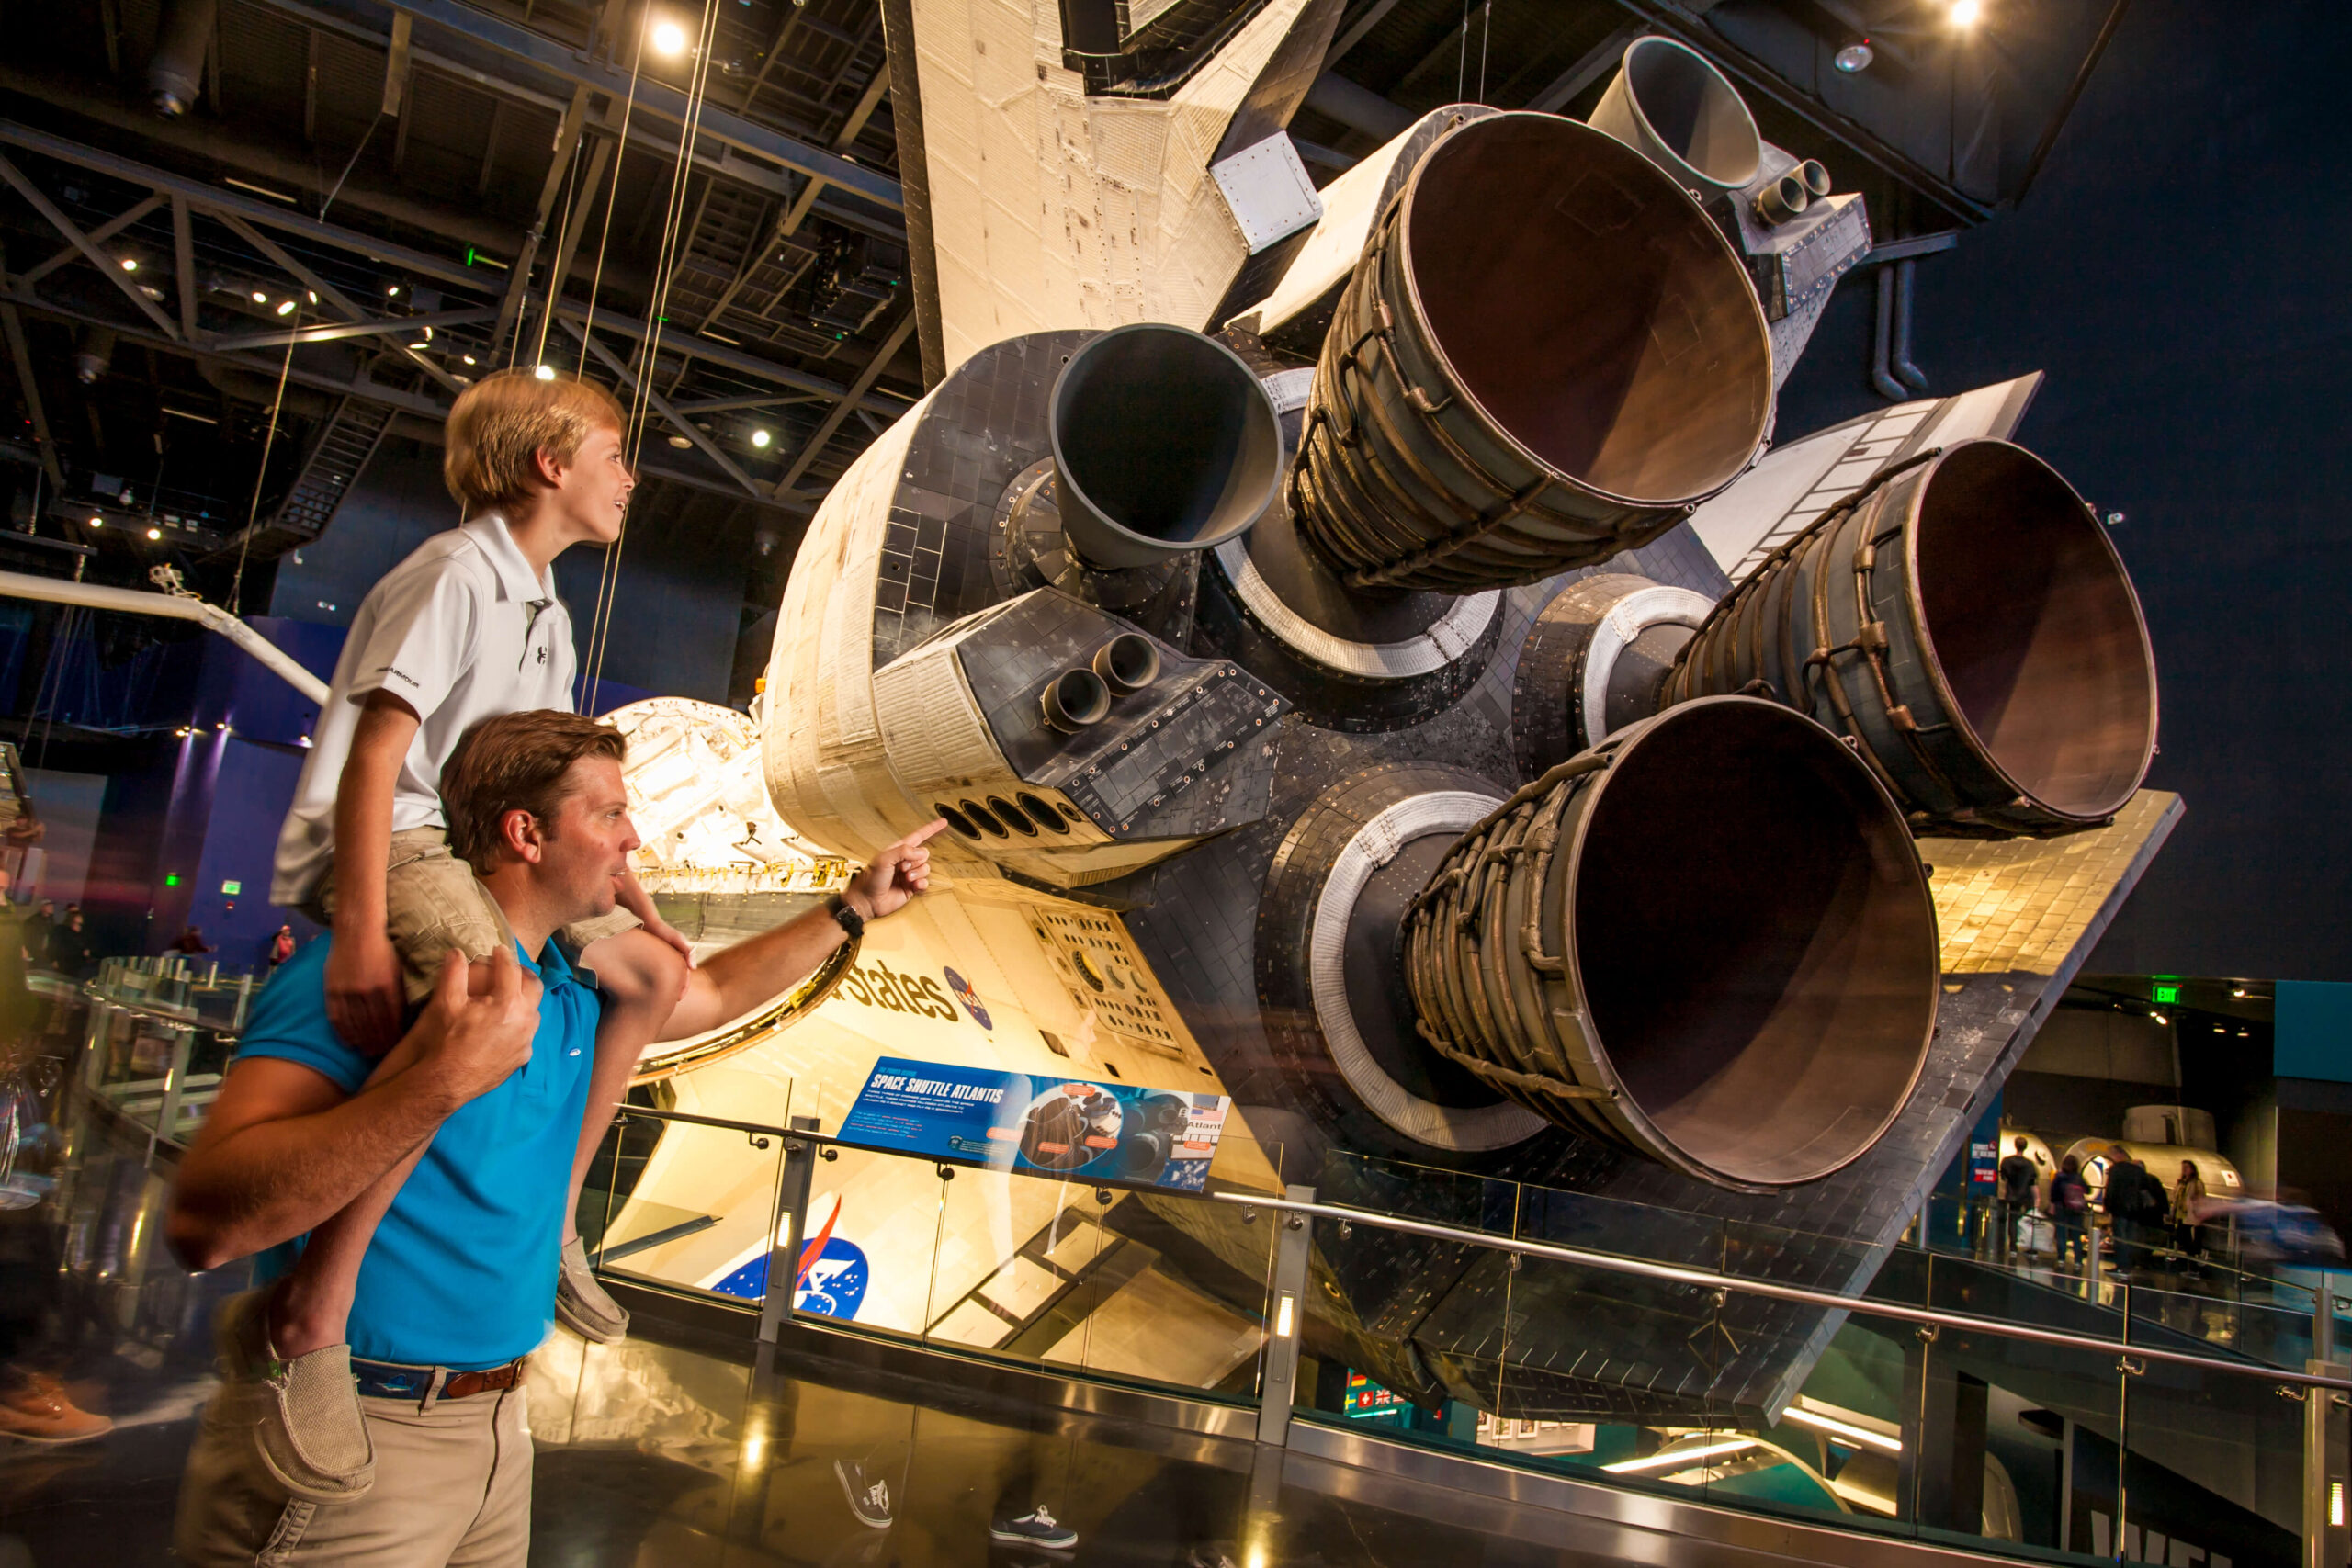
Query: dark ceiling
402	186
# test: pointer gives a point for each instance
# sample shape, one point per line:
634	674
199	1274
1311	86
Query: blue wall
2312	1037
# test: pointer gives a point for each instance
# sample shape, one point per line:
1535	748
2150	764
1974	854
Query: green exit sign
232	888
170	879
2165	992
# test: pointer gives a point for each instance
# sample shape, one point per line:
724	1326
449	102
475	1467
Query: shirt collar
552	969
505	557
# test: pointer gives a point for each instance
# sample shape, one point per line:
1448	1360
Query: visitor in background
281	947
38	925
191	941
69	946
2134	1202
2070	1205
2187	1195
2014	1197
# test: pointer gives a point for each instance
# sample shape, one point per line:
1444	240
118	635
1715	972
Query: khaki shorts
453	1486
433	902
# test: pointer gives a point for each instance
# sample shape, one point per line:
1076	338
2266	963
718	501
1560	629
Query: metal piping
172	607
175	70
1899	358
1882	341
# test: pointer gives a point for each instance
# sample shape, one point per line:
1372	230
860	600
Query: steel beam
888	404
334	297
99	236
661	405
832	421
19	352
386	326
654	97
98	258
183	264
755	401
395	60
566	147
576	223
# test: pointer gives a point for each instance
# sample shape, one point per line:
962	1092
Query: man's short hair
501	421
516	761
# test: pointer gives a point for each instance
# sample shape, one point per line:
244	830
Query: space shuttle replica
1381	666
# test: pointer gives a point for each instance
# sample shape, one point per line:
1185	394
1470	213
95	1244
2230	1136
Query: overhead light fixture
544	372
761	438
417	345
1966	13
428	333
259	190
1678	1458
314	296
97	521
2159	1018
680	442
1855	57
285	307
2238	991
130	264
259	298
392	291
469	358
154	533
668	39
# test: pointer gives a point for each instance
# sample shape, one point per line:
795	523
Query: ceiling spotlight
259	298
222	725
470	359
2159	1018
418	345
680	442
668	39
544	372
314	296
1966	13
2238	991
154	533
392	291
1855	57
130	264
761	438
285	307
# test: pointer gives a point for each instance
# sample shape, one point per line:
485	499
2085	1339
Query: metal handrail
1705	1279
1708	1278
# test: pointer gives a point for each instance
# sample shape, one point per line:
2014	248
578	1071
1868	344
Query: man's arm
283	1148
733	981
638	902
364	999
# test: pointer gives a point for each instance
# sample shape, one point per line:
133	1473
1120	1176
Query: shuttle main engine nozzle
1965	619
1548	353
1708	939
1675	109
1163	442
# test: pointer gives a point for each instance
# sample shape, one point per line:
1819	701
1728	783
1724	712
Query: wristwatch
849	919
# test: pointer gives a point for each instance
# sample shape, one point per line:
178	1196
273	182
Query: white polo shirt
460	631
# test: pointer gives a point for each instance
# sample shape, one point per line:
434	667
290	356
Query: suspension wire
1462	55
1486	33
608	580
574	178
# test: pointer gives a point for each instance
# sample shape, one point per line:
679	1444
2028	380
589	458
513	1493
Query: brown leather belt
396	1380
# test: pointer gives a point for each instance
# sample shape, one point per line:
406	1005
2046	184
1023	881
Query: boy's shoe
312	1438
37	1410
580	1304
869	1495
1035	1527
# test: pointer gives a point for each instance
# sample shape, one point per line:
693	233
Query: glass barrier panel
2212	1466
1181	1293
871	1239
1421	1192
1019	1265
2191	1319
688	1207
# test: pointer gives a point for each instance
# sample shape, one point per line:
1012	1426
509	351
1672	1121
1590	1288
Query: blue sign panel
1027	1121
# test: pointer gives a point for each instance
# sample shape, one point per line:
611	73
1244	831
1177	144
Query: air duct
1965	619
1163	442
1548	353
175	70
1708	940
1668	104
93	354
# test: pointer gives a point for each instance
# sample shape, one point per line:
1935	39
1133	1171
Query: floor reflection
665	1456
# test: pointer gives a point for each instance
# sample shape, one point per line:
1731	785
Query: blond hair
504	421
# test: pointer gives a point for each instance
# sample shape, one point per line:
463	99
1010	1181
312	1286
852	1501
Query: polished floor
683	1454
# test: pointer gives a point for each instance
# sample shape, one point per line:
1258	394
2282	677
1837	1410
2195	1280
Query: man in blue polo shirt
462	1138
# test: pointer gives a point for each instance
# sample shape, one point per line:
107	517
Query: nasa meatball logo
968	997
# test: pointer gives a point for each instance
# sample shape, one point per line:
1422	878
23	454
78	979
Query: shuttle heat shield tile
1052	209
2022	906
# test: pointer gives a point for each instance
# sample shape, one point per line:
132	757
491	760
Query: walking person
2070	1204
2013	1198
2188	1194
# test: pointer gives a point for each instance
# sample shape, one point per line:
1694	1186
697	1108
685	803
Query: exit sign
232	888
2165	991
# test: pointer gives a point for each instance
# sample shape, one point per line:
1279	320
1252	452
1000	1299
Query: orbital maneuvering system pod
1370	674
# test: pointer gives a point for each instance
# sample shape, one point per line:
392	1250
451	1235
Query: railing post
792	1211
2326	1539
1294	1243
